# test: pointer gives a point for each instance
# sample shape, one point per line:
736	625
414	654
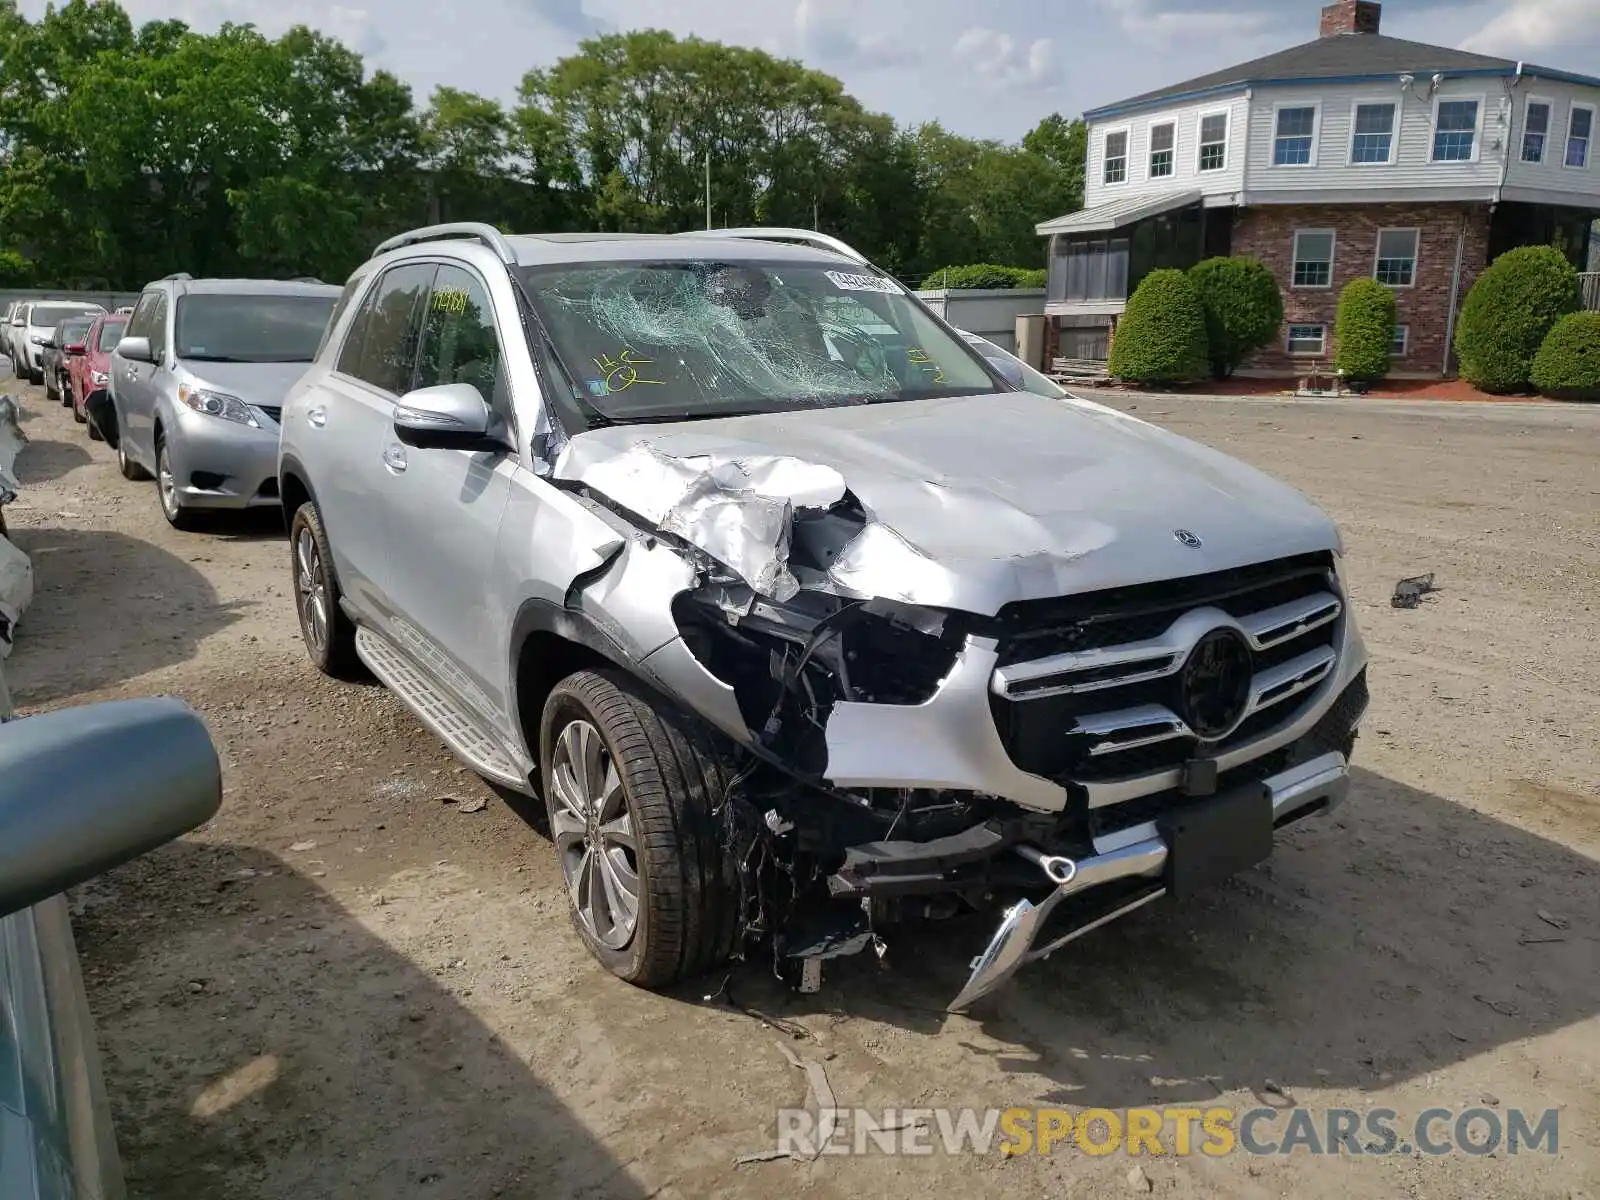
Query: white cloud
996	59
1164	21
1537	25
827	32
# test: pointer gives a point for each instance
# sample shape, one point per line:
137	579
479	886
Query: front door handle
394	457
317	416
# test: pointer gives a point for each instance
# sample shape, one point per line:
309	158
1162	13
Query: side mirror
87	789
74	350
136	349
47	344
1008	369
451	416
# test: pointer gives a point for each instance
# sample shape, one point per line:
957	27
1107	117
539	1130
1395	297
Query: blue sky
984	70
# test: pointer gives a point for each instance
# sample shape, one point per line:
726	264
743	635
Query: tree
1511	308
1161	338
1567	366
1364	330
1243	308
1065	145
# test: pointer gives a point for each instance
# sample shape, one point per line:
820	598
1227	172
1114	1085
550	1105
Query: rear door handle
317	416
394	457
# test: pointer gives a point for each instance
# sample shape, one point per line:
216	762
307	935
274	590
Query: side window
158	326
381	348
143	313
459	343
337	315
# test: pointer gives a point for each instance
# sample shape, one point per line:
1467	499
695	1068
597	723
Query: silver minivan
197	384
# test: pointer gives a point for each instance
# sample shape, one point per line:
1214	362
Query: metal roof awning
1118	213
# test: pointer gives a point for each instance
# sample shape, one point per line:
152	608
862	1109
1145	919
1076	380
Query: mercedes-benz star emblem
1214	685
1190	540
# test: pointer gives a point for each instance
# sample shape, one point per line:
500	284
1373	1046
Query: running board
465	735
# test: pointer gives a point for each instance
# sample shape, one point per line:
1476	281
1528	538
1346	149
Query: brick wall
1267	232
1351	16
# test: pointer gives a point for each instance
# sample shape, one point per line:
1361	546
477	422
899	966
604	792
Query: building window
1373	141
1214	141
1536	131
1397	257
1307	340
1162	140
1117	157
1296	137
1401	343
1455	131
1580	132
1313	258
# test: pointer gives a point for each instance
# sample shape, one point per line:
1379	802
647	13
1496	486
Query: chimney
1351	16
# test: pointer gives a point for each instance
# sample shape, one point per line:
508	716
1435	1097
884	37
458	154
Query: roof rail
305	279
177	275
456	231
778	233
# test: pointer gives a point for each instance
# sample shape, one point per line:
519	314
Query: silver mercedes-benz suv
804	616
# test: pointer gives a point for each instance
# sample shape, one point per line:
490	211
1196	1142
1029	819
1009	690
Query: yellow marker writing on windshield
622	372
919	356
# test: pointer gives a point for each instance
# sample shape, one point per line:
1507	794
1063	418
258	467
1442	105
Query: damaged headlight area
789	662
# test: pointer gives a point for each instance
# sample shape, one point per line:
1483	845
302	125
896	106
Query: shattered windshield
661	341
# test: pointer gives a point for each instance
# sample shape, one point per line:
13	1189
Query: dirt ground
358	983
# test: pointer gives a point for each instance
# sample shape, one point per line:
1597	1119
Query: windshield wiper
212	358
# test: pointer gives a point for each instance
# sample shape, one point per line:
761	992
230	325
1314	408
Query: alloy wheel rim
594	835
167	484
312	590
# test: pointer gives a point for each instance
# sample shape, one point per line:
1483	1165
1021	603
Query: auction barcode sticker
846	282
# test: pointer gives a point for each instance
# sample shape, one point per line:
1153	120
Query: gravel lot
356	982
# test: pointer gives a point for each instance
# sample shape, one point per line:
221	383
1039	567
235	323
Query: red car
89	372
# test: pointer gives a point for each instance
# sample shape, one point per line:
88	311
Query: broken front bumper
1143	852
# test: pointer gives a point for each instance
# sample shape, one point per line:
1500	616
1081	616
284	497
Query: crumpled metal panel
740	511
12	440
16	572
993	499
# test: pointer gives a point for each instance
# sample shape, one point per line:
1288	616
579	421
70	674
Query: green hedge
1243	307
1162	335
1508	313
1567	366
1364	330
984	275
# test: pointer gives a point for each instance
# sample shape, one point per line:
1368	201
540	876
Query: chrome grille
1103	709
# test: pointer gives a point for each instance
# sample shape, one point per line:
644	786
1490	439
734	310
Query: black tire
51	391
673	783
70	401
179	517
129	468
93	430
333	654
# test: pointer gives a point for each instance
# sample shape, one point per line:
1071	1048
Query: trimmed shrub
1364	331
1567	366
1162	335
984	275
1243	307
15	271
1508	313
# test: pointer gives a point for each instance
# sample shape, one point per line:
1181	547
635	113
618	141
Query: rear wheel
633	788
172	506
329	635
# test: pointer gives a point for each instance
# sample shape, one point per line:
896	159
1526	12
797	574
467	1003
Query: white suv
804	616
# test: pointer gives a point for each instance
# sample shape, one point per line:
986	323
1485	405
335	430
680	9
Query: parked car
802	616
41	318
81	791
197	384
66	342
89	374
16	325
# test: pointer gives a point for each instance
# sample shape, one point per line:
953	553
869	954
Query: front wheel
329	635
129	468
633	788
51	391
172	506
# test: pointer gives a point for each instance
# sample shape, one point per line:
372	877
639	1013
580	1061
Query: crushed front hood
975	502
